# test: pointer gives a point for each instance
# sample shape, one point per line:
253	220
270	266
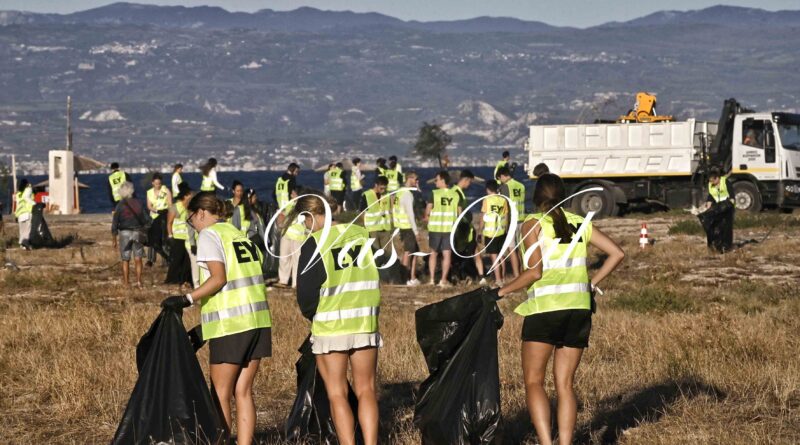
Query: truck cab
765	160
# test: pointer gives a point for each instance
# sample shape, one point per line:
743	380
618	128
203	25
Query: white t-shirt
209	248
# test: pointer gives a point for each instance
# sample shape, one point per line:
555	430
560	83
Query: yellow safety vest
719	193
243	223
394	179
24	206
444	212
282	192
355	181
207	184
377	217
399	216
159	202
116	180
565	281
241	305
180	230
495	219
350	297
500	164
516	191
335	180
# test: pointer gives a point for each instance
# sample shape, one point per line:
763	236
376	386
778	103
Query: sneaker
444	284
483	282
414	282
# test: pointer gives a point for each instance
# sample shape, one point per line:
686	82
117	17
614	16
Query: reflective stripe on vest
116	180
444	212
24	206
495	219
179	228
297	232
719	193
350	297
241	305
516	191
393	176
355	181
377	216
565	281
207	184
158	202
399	216
335	180
177	180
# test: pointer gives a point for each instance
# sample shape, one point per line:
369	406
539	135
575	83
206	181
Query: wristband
189	297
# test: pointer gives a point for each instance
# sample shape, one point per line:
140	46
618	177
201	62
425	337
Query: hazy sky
557	12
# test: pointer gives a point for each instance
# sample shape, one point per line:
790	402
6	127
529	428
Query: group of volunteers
337	281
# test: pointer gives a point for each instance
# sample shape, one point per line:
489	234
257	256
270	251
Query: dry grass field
687	346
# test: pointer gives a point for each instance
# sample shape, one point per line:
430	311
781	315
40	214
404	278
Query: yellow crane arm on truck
644	110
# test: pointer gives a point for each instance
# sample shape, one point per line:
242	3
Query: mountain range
152	85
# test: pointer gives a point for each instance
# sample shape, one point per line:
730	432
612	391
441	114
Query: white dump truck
666	163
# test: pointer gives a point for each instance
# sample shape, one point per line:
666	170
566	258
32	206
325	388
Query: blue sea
95	199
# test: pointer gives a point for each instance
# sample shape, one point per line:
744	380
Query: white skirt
342	343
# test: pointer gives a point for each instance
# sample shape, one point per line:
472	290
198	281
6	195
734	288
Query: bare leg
223	379
126	272
245	406
432	265
498	271
407	263
413	268
515	264
364	363
535	356
333	369
565	363
137	262
446	256
479	263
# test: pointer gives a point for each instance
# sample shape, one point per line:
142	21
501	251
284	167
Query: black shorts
241	348
568	328
409	240
493	245
338	195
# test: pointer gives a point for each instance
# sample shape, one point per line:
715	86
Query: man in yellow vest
159	200
515	190
718	218
441	214
502	163
378	214
493	227
356	184
24	202
285	184
404	219
115	181
336	184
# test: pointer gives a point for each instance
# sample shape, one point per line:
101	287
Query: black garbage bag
171	402
717	222
394	274
271	261
40	236
157	235
460	402
310	417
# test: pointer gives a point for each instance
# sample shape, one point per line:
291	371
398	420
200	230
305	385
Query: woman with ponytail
234	313
558	310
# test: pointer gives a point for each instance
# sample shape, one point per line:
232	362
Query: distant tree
432	141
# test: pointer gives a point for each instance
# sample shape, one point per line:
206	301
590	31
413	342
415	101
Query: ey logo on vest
495	209
246	251
517	193
446	201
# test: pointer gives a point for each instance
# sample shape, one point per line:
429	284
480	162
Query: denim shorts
129	243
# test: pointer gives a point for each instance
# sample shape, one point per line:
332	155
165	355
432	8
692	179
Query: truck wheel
600	202
746	197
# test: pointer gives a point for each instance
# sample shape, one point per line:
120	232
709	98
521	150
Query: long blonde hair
309	204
